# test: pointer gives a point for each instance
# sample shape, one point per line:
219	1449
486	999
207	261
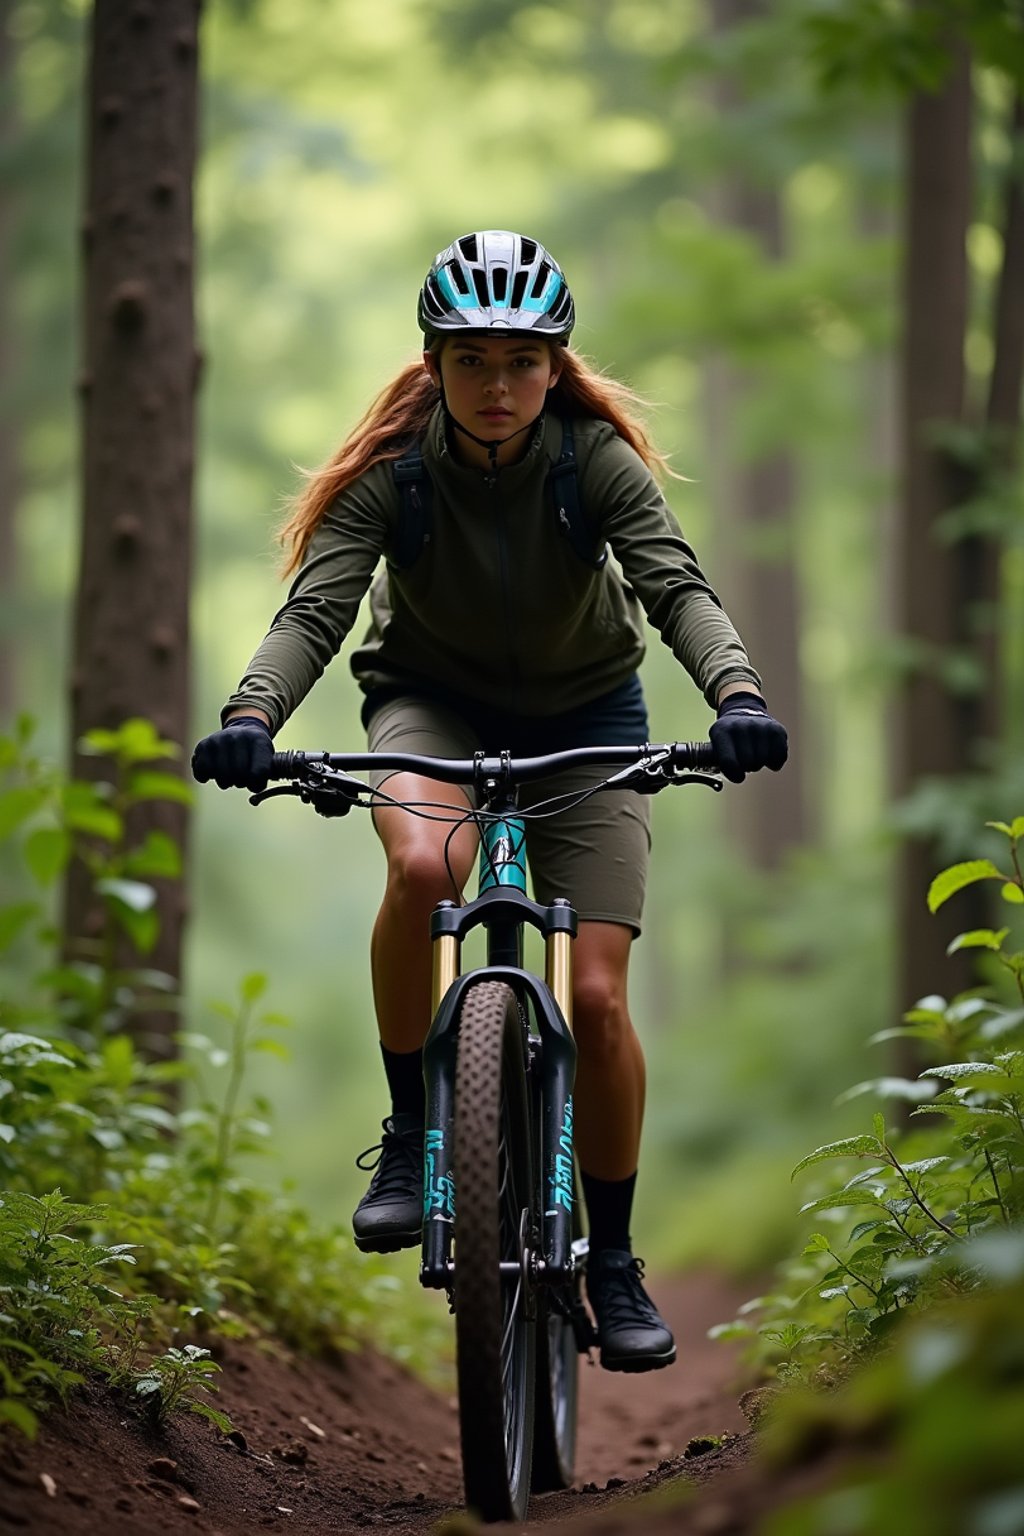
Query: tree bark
754	505
138	384
8	430
930	735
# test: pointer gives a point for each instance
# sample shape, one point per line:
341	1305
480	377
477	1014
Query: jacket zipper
506	595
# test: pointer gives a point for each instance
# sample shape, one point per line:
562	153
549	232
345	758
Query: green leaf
17	805
14	919
272	1048
965	1071
47	851
135	741
85	810
850	1146
817	1243
157	856
1014	830
149	785
142	927
957	876
978	938
925	1164
21	1417
888	1088
842	1198
253	986
878	1122
727	1331
132	894
1012	893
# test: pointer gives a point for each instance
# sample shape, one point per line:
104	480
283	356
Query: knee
417	875
600	1014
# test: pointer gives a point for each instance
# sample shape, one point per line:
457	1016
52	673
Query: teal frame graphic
503	854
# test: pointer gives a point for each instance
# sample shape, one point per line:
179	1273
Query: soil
355	1443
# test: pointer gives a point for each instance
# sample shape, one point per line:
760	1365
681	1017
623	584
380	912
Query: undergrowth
907	1302
131	1221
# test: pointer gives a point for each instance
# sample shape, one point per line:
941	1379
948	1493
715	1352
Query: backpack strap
416	507
564	484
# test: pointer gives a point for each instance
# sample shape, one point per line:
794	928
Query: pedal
582	1327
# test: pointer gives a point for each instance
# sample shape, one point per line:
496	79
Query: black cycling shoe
633	1337
390	1214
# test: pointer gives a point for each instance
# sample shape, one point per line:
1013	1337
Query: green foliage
945	1405
904	47
112	1163
57	1300
54	820
925	1196
173	1380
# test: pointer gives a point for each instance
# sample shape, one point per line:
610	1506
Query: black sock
609	1206
405	1080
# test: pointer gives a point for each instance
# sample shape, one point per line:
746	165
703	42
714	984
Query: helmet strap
492	445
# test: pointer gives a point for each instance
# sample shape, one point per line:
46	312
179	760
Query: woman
498	623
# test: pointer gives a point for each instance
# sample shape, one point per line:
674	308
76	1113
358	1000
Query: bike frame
502	908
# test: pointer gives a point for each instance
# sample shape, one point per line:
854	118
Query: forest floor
357	1442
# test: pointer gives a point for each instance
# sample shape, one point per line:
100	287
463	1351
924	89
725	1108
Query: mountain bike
502	1234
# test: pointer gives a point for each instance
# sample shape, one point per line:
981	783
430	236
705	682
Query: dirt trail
334	1447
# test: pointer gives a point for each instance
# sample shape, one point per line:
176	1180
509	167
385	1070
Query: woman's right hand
238	757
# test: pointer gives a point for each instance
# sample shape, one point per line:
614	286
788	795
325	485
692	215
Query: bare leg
417	880
610	1073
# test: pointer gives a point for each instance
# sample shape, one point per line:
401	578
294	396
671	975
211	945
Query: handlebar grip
284	764
696	755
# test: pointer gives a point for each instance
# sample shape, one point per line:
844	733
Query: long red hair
400	414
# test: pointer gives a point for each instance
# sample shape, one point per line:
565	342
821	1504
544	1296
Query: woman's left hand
746	737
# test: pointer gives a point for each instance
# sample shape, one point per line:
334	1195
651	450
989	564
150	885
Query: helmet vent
458	276
468	247
560	309
480	284
433	297
528	251
518	289
540	280
500	281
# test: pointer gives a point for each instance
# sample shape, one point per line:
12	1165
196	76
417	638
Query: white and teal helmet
498	282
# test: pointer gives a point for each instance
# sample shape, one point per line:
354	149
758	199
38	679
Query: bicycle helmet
497	282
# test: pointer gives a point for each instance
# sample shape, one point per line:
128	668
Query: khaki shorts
596	853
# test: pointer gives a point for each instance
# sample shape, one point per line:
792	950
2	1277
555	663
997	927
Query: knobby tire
557	1390
495	1327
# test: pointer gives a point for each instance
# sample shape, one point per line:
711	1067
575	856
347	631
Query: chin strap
490	444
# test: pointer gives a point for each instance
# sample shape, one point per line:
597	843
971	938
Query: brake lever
279	789
650	781
328	799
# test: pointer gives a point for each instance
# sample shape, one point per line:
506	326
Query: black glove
238	757
746	737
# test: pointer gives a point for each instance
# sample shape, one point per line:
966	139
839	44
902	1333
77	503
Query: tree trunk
754	505
8	430
138	383
930	736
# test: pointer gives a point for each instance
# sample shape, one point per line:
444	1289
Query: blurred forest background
729	189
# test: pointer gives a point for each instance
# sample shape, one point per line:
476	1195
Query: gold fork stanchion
558	971
446	968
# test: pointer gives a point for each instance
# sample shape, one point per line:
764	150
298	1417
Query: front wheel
495	1328
561	1316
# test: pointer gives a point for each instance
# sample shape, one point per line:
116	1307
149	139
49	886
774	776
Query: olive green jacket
498	606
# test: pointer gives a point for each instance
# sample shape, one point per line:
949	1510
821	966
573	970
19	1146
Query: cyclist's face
495	386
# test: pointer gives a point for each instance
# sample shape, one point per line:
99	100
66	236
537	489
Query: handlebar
687	756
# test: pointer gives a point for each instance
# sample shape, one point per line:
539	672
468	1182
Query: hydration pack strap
416	515
565	491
